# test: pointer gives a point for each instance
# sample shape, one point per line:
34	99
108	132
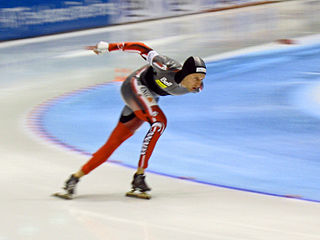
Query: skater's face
193	81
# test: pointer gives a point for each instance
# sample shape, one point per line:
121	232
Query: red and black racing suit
140	92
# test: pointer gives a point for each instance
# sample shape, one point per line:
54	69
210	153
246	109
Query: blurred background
255	127
22	19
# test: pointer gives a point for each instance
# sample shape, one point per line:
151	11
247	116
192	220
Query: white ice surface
31	169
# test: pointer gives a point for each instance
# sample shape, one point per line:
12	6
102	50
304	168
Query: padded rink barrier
250	129
26	19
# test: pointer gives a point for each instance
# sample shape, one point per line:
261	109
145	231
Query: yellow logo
161	84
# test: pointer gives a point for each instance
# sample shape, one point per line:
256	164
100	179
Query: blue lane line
247	130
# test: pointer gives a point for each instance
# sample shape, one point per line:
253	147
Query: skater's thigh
129	119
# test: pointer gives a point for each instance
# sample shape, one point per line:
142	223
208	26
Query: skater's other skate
139	187
70	187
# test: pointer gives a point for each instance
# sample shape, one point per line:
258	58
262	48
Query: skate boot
70	187
70	184
139	187
138	183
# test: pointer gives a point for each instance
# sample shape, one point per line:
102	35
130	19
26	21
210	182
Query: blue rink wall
254	127
31	18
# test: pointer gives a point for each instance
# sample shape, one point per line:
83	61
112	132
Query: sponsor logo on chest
163	82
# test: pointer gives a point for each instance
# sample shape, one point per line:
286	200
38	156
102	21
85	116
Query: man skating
141	91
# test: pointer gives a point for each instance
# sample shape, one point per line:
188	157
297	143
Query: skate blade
66	196
141	195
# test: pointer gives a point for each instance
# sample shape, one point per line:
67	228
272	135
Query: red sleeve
137	47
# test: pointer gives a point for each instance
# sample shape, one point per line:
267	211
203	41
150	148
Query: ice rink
268	125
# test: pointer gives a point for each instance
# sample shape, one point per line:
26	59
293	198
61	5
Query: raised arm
136	47
152	57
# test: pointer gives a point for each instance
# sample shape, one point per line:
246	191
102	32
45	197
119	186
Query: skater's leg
144	103
125	129
158	123
145	106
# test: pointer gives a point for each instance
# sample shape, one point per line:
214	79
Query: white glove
102	47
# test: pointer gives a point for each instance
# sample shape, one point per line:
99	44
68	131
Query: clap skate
139	187
69	187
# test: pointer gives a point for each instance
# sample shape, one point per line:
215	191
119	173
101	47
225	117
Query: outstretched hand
100	48
93	48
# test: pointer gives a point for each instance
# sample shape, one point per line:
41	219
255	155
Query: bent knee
159	116
160	121
158	127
